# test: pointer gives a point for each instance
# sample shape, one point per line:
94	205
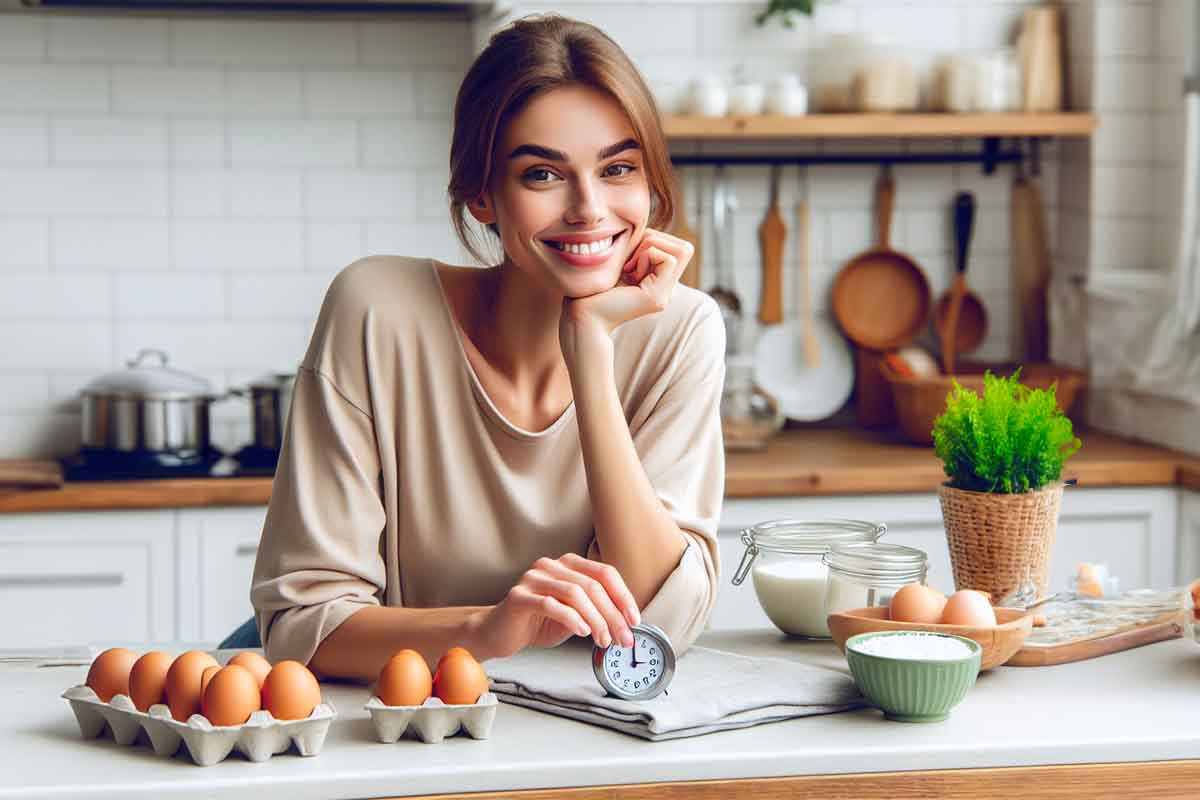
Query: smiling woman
508	456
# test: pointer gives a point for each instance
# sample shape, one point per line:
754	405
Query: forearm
634	532
360	646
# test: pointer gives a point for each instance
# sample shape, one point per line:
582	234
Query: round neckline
483	400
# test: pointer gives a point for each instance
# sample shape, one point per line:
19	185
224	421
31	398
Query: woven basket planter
992	537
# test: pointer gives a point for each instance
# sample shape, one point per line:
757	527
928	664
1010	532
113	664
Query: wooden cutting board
1161	628
30	474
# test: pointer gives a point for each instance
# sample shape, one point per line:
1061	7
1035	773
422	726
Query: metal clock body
638	673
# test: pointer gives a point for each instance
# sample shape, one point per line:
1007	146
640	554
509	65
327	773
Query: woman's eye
628	169
539	175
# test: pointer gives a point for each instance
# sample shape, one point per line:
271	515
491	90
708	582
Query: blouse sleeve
681	449
319	558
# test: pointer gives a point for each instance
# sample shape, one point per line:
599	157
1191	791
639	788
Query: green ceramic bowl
909	689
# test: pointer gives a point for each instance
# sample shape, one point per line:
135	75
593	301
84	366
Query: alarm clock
639	672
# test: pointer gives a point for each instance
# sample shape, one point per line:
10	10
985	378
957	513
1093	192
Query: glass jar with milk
785	558
868	574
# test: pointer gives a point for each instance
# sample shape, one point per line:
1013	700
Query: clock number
653	661
637	684
617	674
653	673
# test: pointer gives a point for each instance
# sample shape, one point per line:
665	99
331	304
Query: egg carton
258	738
433	720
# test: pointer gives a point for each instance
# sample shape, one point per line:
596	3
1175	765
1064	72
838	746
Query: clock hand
635	662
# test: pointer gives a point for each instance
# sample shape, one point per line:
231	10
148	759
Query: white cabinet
74	578
217	547
1133	530
1189	536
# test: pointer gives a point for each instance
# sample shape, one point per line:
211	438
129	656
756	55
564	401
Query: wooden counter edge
1135	780
129	495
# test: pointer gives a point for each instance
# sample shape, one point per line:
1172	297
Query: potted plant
1003	453
785	9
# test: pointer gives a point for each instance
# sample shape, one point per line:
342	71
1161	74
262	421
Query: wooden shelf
880	126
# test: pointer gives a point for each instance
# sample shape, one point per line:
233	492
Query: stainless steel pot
148	408
270	400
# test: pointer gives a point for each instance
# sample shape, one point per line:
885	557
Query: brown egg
290	691
231	696
968	607
258	666
148	679
183	683
405	680
460	680
916	602
205	677
109	673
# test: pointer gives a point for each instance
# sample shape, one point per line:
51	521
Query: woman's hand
645	286
558	598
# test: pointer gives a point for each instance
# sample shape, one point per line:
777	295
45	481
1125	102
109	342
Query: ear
481	209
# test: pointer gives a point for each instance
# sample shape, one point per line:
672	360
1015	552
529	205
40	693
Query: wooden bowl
999	643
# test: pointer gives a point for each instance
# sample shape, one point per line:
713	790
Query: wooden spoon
771	235
961	315
691	275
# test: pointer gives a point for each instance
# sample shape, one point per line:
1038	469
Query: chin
588	284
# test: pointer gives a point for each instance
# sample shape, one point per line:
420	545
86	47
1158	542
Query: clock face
636	670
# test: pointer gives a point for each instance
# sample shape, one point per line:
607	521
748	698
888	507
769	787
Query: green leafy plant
1012	439
785	9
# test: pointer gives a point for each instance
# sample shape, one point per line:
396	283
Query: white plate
804	393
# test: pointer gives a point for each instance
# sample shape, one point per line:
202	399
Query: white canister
786	96
708	97
746	99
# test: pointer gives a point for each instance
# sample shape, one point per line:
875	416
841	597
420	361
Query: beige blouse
399	482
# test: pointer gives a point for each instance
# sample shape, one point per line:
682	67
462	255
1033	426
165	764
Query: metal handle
148	351
748	557
62	581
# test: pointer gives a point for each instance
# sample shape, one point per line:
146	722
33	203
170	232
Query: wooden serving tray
1161	628
30	474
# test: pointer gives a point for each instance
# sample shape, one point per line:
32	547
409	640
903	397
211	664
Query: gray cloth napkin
712	691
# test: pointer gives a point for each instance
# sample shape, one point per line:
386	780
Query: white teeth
587	248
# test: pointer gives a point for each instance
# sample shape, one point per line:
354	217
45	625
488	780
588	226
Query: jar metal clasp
747	557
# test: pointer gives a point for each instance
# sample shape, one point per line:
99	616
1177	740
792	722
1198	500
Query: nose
587	204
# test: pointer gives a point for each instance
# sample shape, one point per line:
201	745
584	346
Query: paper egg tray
259	738
433	720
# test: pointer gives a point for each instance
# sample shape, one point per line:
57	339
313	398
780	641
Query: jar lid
149	381
800	537
876	559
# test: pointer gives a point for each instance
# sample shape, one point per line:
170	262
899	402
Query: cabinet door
217	548
86	577
1133	530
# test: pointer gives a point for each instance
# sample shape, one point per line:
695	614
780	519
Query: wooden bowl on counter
1000	643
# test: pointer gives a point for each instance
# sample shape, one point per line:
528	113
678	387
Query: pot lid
273	380
149	380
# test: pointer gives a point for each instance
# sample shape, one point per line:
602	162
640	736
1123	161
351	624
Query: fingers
551	608
642	262
611	579
585	595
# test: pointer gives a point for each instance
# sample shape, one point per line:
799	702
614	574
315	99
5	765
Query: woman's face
569	192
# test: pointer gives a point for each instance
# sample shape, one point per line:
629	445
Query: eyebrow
558	155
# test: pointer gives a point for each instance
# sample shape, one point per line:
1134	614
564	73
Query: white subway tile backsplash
1124	138
1122	191
217	345
169	296
237	245
341	194
114	244
259	92
23	139
730	28
425	239
990	26
1122	243
416	43
327	143
1125	28
24	391
40	434
926	27
1125	85
390	143
55	344
257	296
317	40
57	87
24	37
66	191
360	92
179	90
199	193
108	40
436	93
197	142
74	296
24	243
266	193
108	140
332	245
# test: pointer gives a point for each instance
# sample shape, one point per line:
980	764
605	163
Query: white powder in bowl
930	646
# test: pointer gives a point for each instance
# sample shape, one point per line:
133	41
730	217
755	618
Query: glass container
785	558
867	575
749	414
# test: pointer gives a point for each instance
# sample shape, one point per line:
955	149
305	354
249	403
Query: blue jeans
246	635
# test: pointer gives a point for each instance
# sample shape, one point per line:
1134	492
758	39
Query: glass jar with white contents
784	557
867	575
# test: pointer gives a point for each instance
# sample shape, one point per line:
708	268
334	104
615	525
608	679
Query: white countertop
1140	705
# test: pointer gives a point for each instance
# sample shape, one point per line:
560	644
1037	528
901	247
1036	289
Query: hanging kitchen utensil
772	232
961	319
804	363
881	297
722	291
691	275
1030	272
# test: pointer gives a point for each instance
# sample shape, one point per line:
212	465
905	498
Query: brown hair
532	55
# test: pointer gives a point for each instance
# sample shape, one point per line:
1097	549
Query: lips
576	257
585	248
